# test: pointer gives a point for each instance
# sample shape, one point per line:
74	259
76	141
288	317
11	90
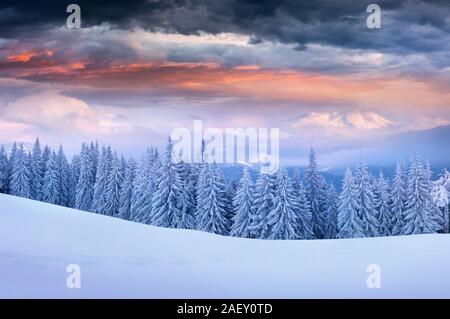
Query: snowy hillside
124	259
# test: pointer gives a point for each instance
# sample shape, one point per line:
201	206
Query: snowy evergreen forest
160	192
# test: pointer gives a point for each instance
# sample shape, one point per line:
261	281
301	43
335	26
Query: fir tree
262	206
305	227
101	180
349	222
230	193
123	165
51	186
398	202
4	171
186	202
126	190
21	174
297	186
243	207
46	153
166	210
283	218
93	153
112	192
12	157
197	196
382	204
63	177
441	197
331	211
37	171
75	166
315	196
194	172
212	204
367	212
419	216
84	188
296	181
137	192
435	212
303	207
11	161
141	204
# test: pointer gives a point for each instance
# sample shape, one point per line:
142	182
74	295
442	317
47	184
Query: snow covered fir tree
161	191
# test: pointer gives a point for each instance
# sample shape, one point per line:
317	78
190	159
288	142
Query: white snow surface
122	259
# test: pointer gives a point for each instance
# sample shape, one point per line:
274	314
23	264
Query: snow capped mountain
366	120
354	120
121	259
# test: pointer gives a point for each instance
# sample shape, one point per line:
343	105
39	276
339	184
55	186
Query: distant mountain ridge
432	145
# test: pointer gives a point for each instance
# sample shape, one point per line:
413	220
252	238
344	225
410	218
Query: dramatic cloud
137	69
336	22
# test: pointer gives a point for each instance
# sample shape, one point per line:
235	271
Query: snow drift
121	259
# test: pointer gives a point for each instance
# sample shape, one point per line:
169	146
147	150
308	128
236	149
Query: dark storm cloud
336	22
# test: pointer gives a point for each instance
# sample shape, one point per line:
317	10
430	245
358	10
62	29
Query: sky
138	69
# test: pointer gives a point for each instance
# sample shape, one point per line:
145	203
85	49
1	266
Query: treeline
160	192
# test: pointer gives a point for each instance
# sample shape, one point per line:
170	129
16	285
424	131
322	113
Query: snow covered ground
121	259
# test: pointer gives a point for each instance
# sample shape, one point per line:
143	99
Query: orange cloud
26	56
21	57
247	67
252	82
